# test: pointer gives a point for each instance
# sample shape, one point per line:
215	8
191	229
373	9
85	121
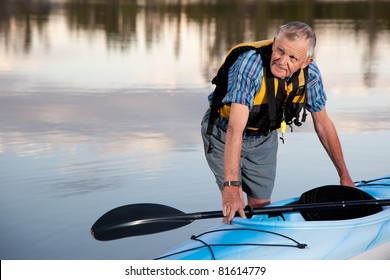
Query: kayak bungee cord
368	182
209	246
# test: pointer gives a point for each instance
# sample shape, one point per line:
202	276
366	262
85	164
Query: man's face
288	56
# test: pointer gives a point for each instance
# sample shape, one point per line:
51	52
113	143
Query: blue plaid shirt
245	77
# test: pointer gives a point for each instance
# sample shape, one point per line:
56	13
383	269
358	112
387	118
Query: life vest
277	101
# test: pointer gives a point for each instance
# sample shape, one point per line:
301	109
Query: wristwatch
232	183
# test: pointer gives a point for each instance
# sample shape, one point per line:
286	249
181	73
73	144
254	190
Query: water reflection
144	62
220	23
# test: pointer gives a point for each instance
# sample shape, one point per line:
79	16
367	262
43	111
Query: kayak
291	237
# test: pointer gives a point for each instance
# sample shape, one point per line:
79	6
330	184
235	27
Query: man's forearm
232	154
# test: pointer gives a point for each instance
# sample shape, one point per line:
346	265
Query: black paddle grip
248	211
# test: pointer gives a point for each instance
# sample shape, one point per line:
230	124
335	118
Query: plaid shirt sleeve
244	79
316	97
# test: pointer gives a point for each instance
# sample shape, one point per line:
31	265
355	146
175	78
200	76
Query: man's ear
307	62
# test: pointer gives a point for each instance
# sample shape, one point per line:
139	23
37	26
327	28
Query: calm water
101	102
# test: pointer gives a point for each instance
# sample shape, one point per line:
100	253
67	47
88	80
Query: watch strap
232	183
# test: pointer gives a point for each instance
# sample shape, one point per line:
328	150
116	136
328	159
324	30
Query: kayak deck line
368	182
296	244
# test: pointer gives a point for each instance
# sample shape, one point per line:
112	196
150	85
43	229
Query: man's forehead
299	44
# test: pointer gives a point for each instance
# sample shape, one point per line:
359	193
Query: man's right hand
232	202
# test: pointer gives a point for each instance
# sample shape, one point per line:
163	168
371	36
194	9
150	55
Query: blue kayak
291	236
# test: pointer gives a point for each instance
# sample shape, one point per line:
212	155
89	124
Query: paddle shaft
324	206
249	212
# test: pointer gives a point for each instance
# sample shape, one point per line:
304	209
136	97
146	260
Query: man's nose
283	59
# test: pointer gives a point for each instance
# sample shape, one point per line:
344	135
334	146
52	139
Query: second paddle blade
137	219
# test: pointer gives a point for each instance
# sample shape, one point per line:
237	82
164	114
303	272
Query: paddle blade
335	193
137	219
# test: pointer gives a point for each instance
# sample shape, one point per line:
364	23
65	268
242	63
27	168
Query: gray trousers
258	160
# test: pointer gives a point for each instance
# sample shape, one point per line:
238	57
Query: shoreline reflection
127	25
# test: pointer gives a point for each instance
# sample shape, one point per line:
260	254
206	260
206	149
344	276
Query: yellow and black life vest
278	100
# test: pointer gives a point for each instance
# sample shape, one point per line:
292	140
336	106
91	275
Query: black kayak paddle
147	218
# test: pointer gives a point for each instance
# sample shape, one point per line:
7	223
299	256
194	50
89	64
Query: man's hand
347	182
232	202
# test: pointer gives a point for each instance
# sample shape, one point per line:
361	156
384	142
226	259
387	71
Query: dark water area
101	103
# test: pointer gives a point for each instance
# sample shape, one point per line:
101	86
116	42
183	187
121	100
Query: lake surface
101	103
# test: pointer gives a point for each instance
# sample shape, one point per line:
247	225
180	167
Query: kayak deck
289	236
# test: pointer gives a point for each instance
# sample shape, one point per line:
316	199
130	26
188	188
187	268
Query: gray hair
296	30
